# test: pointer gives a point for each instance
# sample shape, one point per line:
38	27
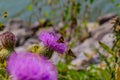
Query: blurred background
57	10
85	25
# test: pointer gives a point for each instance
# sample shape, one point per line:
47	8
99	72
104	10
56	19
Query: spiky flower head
28	66
4	53
40	49
52	41
8	40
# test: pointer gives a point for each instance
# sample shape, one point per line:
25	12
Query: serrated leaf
106	48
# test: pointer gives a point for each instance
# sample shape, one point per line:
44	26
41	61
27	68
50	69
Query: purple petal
50	39
28	66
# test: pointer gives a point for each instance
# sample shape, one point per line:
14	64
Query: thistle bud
7	40
41	50
4	53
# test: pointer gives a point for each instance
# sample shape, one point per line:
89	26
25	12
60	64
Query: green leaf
113	0
1	77
53	12
106	48
2	72
118	5
103	74
46	14
29	7
91	1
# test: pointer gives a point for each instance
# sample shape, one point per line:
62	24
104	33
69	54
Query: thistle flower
8	40
51	40
28	66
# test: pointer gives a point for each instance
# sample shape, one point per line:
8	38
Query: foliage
93	73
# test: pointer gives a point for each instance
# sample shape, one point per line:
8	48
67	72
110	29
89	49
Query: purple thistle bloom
50	39
28	66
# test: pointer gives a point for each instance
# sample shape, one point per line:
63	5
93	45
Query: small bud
41	49
1	27
8	40
4	53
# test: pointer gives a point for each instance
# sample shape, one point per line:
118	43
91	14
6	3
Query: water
18	9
